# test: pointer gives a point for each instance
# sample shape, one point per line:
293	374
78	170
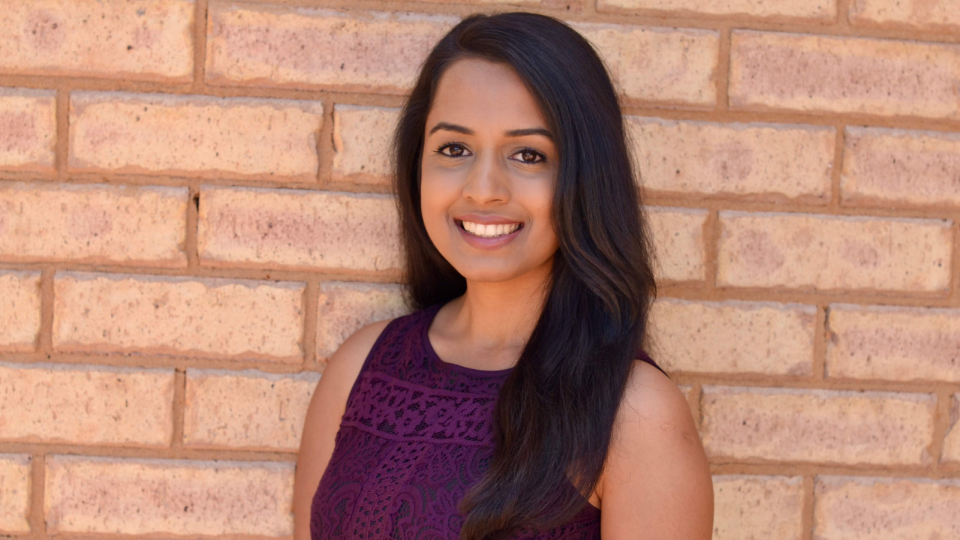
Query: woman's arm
657	483
320	428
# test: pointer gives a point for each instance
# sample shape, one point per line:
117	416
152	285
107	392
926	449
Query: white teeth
490	231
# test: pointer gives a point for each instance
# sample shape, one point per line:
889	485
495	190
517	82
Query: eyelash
542	157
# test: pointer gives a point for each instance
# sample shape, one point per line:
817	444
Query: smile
491	230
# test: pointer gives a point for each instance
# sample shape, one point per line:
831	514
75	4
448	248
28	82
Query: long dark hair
555	412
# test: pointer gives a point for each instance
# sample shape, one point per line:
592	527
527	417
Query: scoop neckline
428	349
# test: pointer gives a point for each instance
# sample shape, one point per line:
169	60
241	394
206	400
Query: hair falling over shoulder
555	413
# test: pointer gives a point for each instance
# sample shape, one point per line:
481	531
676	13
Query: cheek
435	199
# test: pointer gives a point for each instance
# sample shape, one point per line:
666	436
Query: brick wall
194	213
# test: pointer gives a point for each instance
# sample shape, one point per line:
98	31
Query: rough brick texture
740	160
833	252
94	223
806	9
300	229
893	343
361	142
800	425
167	497
343	308
734	337
757	507
14	493
351	50
678	240
28	128
857	508
942	15
86	404
195	214
194	136
124	39
884	166
19	310
658	65
214	318
842	74
247	409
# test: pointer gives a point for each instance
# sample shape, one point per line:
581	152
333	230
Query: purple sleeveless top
416	433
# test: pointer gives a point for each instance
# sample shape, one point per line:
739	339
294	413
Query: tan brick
833	252
14	493
273	139
757	507
666	66
808	425
863	508
296	228
805	9
68	403
361	142
887	166
734	336
741	160
895	343
163	497
248	409
214	318
349	50
19	309
28	127
343	308
843	74
94	223
678	240
122	39
951	443
940	15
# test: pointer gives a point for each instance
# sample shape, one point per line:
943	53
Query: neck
498	317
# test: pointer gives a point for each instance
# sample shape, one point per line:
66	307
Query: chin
476	273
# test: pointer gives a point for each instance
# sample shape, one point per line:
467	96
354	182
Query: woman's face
488	173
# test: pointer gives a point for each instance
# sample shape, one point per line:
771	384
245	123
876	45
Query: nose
487	182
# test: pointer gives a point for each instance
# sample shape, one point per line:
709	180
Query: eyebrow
512	133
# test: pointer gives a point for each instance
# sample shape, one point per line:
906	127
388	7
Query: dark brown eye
452	150
530	156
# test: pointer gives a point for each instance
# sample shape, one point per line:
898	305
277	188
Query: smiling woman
511	402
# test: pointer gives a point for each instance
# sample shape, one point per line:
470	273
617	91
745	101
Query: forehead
479	93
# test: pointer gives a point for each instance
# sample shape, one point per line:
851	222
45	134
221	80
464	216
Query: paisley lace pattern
416	433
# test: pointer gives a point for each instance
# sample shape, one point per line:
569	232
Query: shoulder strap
643	356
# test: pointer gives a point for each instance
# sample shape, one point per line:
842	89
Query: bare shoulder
657	477
349	357
341	371
323	417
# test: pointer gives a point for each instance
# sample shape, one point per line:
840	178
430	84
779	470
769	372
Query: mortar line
192	227
200	15
62	148
820	345
723	70
311	295
178	410
44	344
808	485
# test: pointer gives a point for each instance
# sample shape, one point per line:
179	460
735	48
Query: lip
486	243
486	220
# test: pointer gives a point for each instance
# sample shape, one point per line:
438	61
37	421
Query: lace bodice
416	433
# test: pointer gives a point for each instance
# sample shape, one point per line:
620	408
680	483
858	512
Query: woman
511	402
